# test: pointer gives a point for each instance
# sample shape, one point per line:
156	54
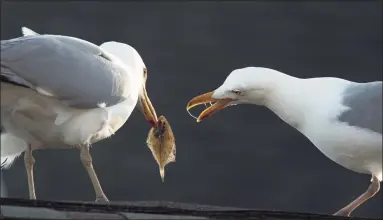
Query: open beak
218	104
147	109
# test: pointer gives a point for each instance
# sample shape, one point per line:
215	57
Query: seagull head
131	59
250	85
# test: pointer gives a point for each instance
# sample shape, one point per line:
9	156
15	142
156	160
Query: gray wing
365	103
75	71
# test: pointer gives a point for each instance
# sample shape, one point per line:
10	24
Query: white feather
28	32
44	92
11	148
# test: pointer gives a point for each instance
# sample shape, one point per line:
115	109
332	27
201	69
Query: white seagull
343	119
64	92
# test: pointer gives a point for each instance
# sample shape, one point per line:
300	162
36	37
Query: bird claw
102	200
342	213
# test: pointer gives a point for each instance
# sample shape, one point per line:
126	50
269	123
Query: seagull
343	119
63	92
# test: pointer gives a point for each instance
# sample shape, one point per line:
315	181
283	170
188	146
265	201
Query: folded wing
75	71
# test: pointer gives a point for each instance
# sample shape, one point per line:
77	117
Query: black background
245	156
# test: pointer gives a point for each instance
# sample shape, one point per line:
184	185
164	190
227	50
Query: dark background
244	156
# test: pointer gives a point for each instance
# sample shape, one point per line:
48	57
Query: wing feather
75	71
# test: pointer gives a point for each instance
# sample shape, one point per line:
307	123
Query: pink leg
370	192
29	162
86	160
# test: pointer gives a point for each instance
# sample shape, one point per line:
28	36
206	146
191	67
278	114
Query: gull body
64	92
340	117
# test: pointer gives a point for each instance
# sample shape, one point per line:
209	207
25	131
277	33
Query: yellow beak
218	104
147	109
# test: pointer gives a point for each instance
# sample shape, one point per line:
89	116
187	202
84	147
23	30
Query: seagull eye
236	91
145	72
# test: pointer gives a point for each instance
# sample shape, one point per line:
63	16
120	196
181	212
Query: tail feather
11	148
28	32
